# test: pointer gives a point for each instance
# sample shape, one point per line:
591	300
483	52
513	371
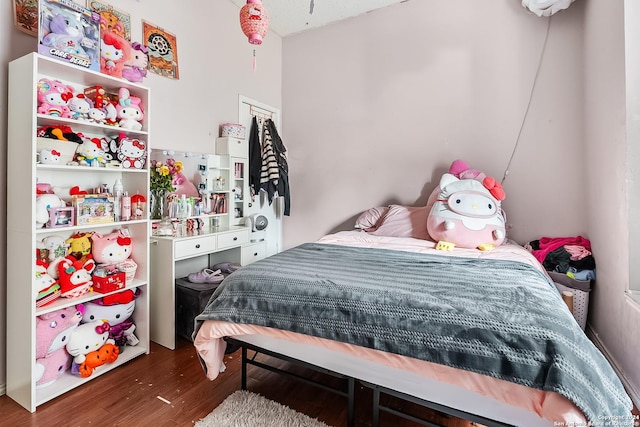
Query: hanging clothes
282	186
269	173
255	159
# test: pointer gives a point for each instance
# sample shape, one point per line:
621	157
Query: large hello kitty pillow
467	213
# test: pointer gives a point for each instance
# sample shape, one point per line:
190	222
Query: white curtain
546	7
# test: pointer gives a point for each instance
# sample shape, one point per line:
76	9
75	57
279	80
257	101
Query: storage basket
233	130
129	267
67	149
191	300
580	290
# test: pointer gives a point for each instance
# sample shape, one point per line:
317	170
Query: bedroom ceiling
292	16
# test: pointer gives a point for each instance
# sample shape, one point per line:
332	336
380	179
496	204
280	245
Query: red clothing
550	244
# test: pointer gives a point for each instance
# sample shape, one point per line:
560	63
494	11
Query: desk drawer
253	252
233	238
194	247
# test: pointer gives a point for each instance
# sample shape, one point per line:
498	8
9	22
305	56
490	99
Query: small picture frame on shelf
61	217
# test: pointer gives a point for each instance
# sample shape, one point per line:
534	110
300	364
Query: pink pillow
404	221
371	218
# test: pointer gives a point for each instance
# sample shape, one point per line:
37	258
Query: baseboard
634	394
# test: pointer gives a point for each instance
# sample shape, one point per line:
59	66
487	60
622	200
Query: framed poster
25	16
112	16
163	50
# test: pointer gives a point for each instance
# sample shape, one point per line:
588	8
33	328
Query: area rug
246	409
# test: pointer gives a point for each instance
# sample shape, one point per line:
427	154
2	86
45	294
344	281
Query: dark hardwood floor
135	394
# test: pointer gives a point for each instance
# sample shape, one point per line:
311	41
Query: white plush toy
86	338
49	157
44	202
57	248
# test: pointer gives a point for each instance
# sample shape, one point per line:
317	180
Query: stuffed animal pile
81	338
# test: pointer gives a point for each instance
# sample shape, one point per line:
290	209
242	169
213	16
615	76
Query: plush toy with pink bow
466	210
129	110
117	309
135	67
111	249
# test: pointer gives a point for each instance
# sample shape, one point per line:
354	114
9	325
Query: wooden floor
137	393
130	396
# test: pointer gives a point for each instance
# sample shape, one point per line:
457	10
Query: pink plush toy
52	333
183	186
111	248
54	97
114	50
467	213
135	67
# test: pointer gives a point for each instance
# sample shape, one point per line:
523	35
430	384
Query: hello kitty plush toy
132	152
117	309
129	110
114	49
112	248
49	157
80	106
467	213
54	97
84	341
89	152
53	331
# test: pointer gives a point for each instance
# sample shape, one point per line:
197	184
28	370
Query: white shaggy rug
246	409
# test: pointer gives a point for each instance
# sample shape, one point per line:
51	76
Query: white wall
614	317
215	64
375	109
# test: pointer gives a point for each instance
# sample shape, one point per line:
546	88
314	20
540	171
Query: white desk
175	257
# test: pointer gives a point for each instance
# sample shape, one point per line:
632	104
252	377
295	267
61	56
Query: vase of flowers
161	185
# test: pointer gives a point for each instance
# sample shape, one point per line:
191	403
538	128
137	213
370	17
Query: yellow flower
178	166
164	170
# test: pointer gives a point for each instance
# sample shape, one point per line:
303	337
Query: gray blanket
499	318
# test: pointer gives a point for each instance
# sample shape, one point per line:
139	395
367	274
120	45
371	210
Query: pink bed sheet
550	406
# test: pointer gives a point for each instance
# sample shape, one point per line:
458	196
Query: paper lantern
254	21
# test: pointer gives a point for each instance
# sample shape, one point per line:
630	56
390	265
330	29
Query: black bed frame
350	389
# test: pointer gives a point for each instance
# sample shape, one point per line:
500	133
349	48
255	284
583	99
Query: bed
482	332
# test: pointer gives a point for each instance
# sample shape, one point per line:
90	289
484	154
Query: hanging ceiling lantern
254	21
